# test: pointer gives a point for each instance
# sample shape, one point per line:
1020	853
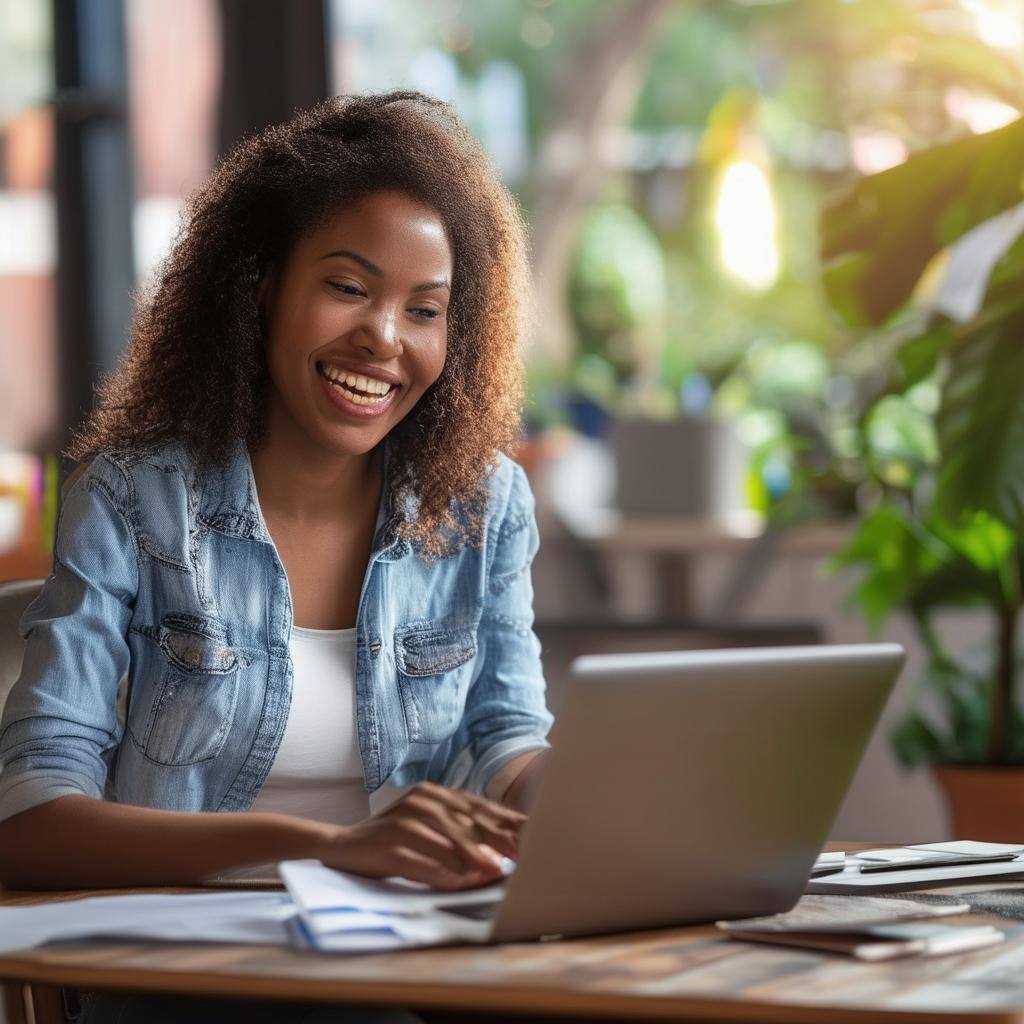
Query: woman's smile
356	394
358	325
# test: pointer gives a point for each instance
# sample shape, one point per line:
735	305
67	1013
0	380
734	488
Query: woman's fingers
505	841
451	851
441	837
504	838
466	819
417	867
459	830
478	805
484	820
372	848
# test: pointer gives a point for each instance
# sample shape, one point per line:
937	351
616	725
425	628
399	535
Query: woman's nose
379	331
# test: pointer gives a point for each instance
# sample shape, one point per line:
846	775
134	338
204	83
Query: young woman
291	581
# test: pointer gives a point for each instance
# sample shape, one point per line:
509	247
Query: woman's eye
427	312
345	288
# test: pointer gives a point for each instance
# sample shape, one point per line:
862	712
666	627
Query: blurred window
28	382
174	74
28	393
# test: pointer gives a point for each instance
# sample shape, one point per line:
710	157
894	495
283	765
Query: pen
945	861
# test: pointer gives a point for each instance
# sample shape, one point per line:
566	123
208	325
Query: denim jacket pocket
193	703
434	661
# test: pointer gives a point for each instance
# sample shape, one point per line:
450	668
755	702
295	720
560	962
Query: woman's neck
305	483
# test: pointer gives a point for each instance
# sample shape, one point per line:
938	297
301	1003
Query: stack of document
345	913
923	866
322	909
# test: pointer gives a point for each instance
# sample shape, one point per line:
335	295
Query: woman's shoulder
500	505
509	492
127	474
508	478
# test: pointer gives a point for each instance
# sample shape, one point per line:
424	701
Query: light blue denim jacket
156	666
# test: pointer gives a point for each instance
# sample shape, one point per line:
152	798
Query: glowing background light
746	223
875	151
998	24
979	113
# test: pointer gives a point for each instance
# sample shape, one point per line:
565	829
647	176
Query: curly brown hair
195	369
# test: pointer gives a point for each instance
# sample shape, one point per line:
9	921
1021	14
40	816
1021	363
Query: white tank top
318	771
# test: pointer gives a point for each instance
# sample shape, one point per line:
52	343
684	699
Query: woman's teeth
356	388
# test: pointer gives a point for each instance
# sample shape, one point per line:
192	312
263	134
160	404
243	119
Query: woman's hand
446	838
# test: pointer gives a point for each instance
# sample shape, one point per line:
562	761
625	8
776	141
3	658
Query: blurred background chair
15	597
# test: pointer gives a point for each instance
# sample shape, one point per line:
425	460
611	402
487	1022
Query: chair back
15	597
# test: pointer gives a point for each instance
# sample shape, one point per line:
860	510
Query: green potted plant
925	262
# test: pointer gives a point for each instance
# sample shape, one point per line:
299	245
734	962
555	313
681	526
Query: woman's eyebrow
361	260
372	268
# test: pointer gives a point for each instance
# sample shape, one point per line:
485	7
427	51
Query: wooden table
684	974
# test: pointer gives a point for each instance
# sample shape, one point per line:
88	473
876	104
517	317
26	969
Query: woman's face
357	322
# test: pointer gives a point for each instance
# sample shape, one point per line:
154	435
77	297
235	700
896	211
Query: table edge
482	998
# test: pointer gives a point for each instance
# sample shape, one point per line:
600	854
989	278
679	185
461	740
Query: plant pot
986	802
682	467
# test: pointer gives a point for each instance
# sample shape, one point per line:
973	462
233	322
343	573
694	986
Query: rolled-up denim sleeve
506	713
60	719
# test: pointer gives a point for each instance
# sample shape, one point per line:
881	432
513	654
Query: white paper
833	859
347	942
351	920
968	846
249	917
850	879
892	856
347	913
316	888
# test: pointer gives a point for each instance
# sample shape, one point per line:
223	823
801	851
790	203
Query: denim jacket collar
227	502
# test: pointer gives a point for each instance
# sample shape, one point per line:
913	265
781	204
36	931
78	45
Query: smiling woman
364	327
204	322
292	574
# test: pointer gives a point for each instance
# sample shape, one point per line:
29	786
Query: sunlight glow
979	113
998	24
875	151
746	223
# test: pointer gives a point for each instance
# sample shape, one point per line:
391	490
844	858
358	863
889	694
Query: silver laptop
688	787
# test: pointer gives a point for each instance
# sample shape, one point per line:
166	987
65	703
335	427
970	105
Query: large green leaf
898	553
985	542
878	237
921	566
981	423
